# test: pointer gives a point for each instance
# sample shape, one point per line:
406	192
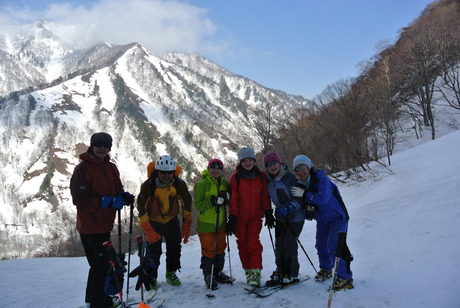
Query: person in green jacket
211	197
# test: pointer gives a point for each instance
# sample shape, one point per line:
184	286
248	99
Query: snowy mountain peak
56	97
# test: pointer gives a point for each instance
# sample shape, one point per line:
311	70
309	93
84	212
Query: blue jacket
280	193
323	193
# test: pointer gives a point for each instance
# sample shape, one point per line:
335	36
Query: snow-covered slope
404	230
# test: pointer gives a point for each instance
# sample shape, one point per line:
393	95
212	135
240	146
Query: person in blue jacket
290	219
324	204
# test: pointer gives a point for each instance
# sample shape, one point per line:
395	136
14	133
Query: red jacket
249	196
90	180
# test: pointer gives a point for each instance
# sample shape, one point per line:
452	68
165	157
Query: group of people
277	197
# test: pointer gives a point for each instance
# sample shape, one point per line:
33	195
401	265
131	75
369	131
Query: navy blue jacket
280	193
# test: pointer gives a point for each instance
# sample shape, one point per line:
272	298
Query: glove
115	276
225	195
127	198
145	271
269	219
284	211
231	224
151	235
186	230
111	201
310	210
217	201
113	281
297	191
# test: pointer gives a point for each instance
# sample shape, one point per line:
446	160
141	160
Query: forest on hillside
358	120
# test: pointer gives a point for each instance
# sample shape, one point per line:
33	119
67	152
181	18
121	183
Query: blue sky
297	46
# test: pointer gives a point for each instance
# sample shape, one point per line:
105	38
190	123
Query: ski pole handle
340	244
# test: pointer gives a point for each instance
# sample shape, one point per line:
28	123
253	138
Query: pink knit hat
271	156
215	161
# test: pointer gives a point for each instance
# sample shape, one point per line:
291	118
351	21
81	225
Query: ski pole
271	239
215	251
228	250
229	260
119	232
305	252
140	249
131	211
338	255
301	246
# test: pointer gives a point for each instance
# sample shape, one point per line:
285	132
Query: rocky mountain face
54	97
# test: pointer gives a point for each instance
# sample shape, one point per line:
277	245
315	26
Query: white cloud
157	25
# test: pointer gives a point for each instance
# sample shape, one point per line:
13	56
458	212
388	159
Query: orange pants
207	243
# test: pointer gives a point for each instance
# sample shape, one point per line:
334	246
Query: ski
158	303
150	298
266	291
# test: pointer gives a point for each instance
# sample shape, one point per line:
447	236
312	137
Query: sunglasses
216	167
166	172
300	168
102	144
272	163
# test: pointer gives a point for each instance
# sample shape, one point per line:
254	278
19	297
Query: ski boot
207	281
172	278
220	277
342	284
323	275
253	278
275	279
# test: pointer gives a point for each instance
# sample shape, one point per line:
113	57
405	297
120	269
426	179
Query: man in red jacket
248	204
96	187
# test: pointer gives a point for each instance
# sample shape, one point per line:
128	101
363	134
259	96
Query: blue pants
326	244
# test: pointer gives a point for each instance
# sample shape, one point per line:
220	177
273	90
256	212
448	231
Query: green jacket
207	214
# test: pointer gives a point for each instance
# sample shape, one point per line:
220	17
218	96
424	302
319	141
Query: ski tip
209	295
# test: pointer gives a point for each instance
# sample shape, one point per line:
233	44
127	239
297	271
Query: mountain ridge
181	104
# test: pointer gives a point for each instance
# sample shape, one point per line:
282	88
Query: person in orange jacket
249	203
162	197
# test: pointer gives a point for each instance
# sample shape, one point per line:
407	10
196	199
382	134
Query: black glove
218	202
310	210
269	219
127	198
231	224
225	195
145	271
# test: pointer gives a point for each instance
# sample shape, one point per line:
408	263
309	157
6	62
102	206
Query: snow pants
171	234
326	244
208	256
286	256
249	247
98	260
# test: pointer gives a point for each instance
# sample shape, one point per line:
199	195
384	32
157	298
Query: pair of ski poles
338	254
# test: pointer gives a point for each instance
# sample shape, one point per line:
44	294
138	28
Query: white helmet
165	163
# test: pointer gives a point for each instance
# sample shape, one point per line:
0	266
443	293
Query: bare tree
264	123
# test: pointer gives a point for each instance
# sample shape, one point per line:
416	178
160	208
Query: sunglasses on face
300	168
216	167
102	144
272	163
166	172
